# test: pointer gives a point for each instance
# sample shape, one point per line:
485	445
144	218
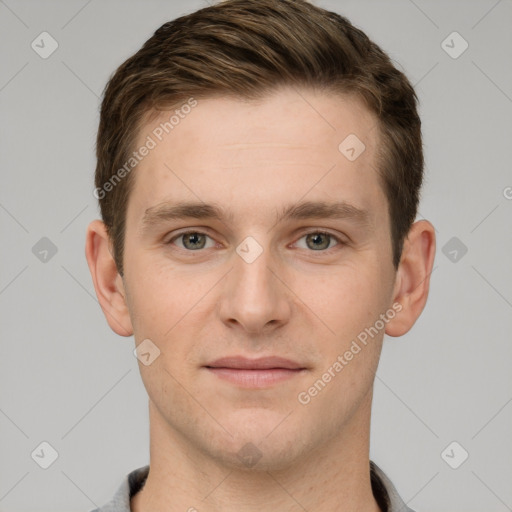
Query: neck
334	477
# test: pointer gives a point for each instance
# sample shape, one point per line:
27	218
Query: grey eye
193	240
319	241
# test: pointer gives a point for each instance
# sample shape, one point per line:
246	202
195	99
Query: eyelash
339	244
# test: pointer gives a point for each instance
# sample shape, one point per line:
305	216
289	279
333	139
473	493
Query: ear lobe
107	281
413	277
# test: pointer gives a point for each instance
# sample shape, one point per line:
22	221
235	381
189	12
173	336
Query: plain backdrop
68	381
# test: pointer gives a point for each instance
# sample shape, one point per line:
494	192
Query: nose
254	297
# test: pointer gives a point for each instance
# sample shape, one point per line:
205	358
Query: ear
413	277
107	281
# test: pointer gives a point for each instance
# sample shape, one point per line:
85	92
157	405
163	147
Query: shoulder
385	492
130	485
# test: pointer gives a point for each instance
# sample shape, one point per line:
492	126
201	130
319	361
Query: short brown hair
246	48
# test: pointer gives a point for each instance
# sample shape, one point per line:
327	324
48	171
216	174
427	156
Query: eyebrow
302	211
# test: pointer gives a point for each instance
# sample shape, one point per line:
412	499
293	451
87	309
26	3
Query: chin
263	444
251	457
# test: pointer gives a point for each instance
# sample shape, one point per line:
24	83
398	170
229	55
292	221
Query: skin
295	301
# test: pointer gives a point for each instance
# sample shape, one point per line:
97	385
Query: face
276	261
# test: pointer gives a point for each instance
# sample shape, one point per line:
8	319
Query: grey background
68	380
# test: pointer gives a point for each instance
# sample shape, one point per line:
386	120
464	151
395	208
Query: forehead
285	119
261	153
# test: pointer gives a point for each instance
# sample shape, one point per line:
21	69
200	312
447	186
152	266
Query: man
259	168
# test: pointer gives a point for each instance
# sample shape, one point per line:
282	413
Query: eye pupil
317	237
192	238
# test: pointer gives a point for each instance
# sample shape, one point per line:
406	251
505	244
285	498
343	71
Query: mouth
255	373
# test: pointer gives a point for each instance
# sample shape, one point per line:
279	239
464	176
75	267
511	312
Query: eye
191	240
197	240
320	240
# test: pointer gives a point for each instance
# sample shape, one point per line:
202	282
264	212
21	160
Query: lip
262	363
255	373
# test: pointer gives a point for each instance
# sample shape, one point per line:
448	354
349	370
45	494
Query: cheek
345	300
156	300
170	307
349	349
162	310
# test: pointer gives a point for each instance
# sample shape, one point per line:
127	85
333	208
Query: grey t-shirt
383	489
